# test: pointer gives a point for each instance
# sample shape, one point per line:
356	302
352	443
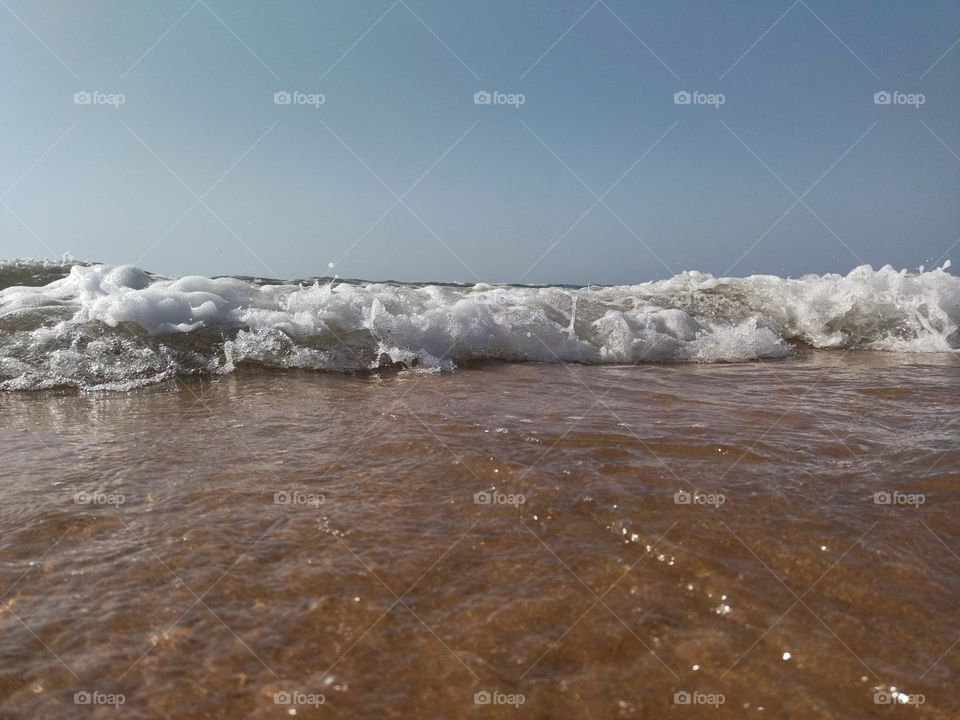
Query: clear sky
597	177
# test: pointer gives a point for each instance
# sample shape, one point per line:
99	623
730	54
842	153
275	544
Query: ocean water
100	326
700	497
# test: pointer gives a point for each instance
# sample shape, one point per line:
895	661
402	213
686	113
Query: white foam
60	333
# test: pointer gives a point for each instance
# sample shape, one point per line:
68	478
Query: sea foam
118	326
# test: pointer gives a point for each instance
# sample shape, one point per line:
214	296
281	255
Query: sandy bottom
775	539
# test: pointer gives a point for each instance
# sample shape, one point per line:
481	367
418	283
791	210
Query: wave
91	326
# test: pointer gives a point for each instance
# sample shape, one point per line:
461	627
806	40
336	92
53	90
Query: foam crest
117	326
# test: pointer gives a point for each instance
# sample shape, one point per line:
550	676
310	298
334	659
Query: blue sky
597	177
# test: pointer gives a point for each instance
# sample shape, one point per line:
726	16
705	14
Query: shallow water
146	553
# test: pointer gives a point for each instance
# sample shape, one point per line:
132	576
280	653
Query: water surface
642	532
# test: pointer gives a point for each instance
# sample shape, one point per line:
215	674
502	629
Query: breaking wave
101	326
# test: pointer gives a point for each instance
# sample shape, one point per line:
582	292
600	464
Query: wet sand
559	540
